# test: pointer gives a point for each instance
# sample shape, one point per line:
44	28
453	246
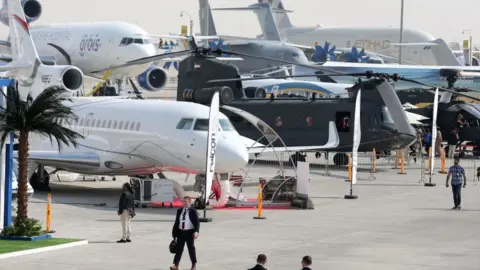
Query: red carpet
177	203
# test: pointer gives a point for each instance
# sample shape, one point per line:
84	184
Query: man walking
261	261
457	172
306	263
185	229
452	142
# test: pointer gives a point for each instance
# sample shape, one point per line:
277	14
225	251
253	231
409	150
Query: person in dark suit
261	261
186	229
306	262
126	211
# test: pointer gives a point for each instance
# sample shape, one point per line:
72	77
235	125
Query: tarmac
396	223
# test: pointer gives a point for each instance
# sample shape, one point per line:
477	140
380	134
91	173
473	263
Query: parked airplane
377	40
95	48
117	141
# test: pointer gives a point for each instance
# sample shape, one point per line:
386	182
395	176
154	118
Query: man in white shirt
185	229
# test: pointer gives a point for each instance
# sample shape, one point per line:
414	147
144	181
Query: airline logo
22	22
213	150
89	43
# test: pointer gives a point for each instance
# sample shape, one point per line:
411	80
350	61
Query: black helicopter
301	121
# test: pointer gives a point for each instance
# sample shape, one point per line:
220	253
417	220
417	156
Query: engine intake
31	8
72	79
153	79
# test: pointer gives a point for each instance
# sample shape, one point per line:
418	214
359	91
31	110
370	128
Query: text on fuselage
89	43
369	44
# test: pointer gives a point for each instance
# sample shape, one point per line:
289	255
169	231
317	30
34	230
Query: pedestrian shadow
137	220
447	209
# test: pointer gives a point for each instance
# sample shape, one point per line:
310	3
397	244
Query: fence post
402	163
396	160
49	214
259	204
429	160
443	169
374	161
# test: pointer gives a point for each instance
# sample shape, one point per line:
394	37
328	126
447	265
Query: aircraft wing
333	141
63	160
10	66
184	37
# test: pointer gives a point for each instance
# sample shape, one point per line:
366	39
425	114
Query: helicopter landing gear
340	159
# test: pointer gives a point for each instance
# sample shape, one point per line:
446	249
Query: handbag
173	247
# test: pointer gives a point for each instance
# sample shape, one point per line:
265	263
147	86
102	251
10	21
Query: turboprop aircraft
113	50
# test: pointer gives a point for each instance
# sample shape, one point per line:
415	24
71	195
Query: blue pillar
7	220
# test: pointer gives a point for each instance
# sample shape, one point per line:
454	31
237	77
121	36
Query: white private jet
123	50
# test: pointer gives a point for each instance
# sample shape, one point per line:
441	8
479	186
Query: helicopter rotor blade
439	88
286	77
280	61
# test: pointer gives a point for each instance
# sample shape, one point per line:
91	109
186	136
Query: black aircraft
300	121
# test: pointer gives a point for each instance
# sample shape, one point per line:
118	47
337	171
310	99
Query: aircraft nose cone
231	157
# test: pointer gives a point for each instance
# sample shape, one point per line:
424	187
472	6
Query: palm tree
34	116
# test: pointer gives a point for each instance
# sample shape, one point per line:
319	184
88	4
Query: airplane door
86	124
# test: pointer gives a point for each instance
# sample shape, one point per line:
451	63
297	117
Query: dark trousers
183	237
457	191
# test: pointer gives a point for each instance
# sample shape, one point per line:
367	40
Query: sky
442	18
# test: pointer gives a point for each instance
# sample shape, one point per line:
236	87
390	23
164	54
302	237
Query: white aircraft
123	50
168	135
375	39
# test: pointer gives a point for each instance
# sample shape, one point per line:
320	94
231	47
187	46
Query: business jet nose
231	156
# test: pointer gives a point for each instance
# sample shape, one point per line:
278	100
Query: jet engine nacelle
67	77
31	8
153	79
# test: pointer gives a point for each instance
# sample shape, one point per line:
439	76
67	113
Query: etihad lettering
370	45
89	43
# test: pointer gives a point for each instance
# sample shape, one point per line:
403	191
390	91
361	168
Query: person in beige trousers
126	211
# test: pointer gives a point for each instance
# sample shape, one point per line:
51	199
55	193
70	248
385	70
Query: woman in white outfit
126	211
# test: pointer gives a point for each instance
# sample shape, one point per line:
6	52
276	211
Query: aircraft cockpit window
185	124
138	41
295	54
386	117
226	125
147	41
201	124
126	41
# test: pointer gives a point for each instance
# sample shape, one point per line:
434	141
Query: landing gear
199	203
40	180
297	157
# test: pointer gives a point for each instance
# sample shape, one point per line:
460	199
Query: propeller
354	56
218	46
324	54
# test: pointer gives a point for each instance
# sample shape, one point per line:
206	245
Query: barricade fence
367	162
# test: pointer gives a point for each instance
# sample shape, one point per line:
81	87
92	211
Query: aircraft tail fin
207	25
22	46
444	55
265	17
281	14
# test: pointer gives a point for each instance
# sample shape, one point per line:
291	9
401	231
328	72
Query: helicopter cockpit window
385	116
342	121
